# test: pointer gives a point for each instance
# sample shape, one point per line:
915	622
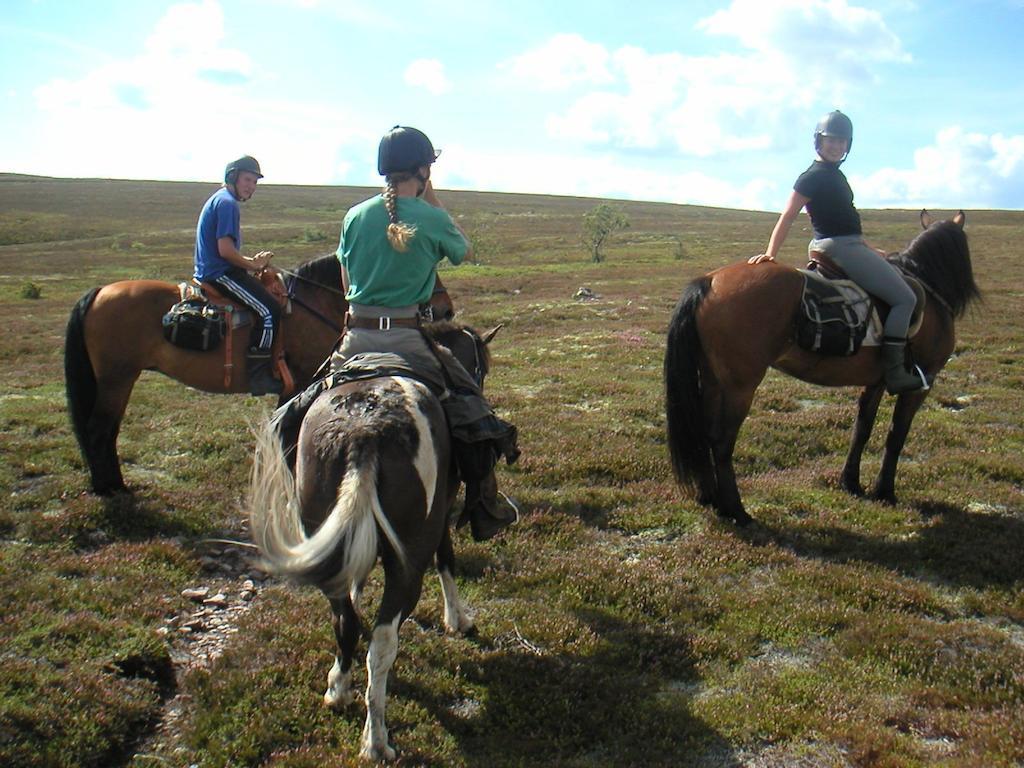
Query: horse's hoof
740	519
854	489
888	498
338	700
378	753
465	627
109	491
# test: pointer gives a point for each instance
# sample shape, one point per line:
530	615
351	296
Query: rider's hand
261	259
429	196
761	257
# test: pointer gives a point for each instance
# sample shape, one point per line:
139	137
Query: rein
935	295
929	289
478	368
297	276
336	327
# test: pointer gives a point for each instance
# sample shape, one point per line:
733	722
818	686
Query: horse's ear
487	337
960	219
926	219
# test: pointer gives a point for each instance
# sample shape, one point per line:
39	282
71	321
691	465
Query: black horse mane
441	329
323	270
939	256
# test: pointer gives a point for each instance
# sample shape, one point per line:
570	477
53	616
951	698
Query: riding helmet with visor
403	150
244	163
836	124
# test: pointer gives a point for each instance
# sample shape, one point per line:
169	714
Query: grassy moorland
619	624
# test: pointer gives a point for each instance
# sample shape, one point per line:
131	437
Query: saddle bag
829	322
195	324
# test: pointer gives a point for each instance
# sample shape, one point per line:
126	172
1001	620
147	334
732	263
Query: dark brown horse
114	333
374	477
733	324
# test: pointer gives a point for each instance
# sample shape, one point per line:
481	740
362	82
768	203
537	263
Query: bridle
478	371
293	277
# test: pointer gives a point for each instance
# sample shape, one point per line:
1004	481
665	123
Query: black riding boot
287	420
898	378
261	373
486	513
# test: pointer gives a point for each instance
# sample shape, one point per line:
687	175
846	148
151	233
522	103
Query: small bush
480	233
31	290
599	224
314	235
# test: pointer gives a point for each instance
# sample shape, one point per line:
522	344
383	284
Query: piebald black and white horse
374	479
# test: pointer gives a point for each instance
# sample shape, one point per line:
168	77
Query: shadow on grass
953	545
628	703
131	517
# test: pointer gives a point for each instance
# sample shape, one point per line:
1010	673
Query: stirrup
925	386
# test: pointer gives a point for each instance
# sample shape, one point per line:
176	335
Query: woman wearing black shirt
825	192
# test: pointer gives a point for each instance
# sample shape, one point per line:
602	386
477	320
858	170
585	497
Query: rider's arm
430	197
793	207
230	253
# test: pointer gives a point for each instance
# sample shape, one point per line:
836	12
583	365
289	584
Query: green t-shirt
380	276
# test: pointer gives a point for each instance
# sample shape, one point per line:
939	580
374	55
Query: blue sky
690	102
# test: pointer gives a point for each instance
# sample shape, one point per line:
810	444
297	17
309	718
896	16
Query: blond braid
399	234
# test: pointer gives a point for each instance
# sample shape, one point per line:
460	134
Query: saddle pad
373	365
855	294
234	313
832	317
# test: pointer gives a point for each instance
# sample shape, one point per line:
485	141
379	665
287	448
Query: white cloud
563	61
428	74
703	105
969	170
823	33
180	109
588	176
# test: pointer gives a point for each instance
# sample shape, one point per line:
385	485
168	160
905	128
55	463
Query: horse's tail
79	377
341	553
688	441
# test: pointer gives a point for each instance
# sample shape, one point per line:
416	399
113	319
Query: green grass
619	623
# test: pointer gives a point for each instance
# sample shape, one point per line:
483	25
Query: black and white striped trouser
240	285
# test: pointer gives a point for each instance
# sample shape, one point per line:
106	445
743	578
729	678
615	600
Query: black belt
381	323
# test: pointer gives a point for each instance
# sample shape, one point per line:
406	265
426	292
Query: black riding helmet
244	163
403	150
835	123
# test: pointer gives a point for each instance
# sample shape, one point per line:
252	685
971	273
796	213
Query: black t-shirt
831	200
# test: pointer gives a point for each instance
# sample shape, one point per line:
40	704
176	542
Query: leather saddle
820	265
239	316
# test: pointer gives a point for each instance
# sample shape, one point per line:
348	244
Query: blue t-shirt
380	276
220	217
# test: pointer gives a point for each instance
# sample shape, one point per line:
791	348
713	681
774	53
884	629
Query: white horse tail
341	553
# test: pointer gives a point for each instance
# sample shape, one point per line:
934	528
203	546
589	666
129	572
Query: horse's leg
727	410
867	409
457	617
346	624
903	414
401	593
104	424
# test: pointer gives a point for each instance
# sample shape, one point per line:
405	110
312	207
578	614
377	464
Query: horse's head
940	258
468	347
927	220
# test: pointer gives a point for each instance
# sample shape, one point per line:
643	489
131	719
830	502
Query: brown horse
114	333
733	324
374	478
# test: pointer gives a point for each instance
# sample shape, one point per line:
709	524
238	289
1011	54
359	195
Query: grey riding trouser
875	275
404	342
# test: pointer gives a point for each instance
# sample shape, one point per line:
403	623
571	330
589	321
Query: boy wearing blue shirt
219	260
